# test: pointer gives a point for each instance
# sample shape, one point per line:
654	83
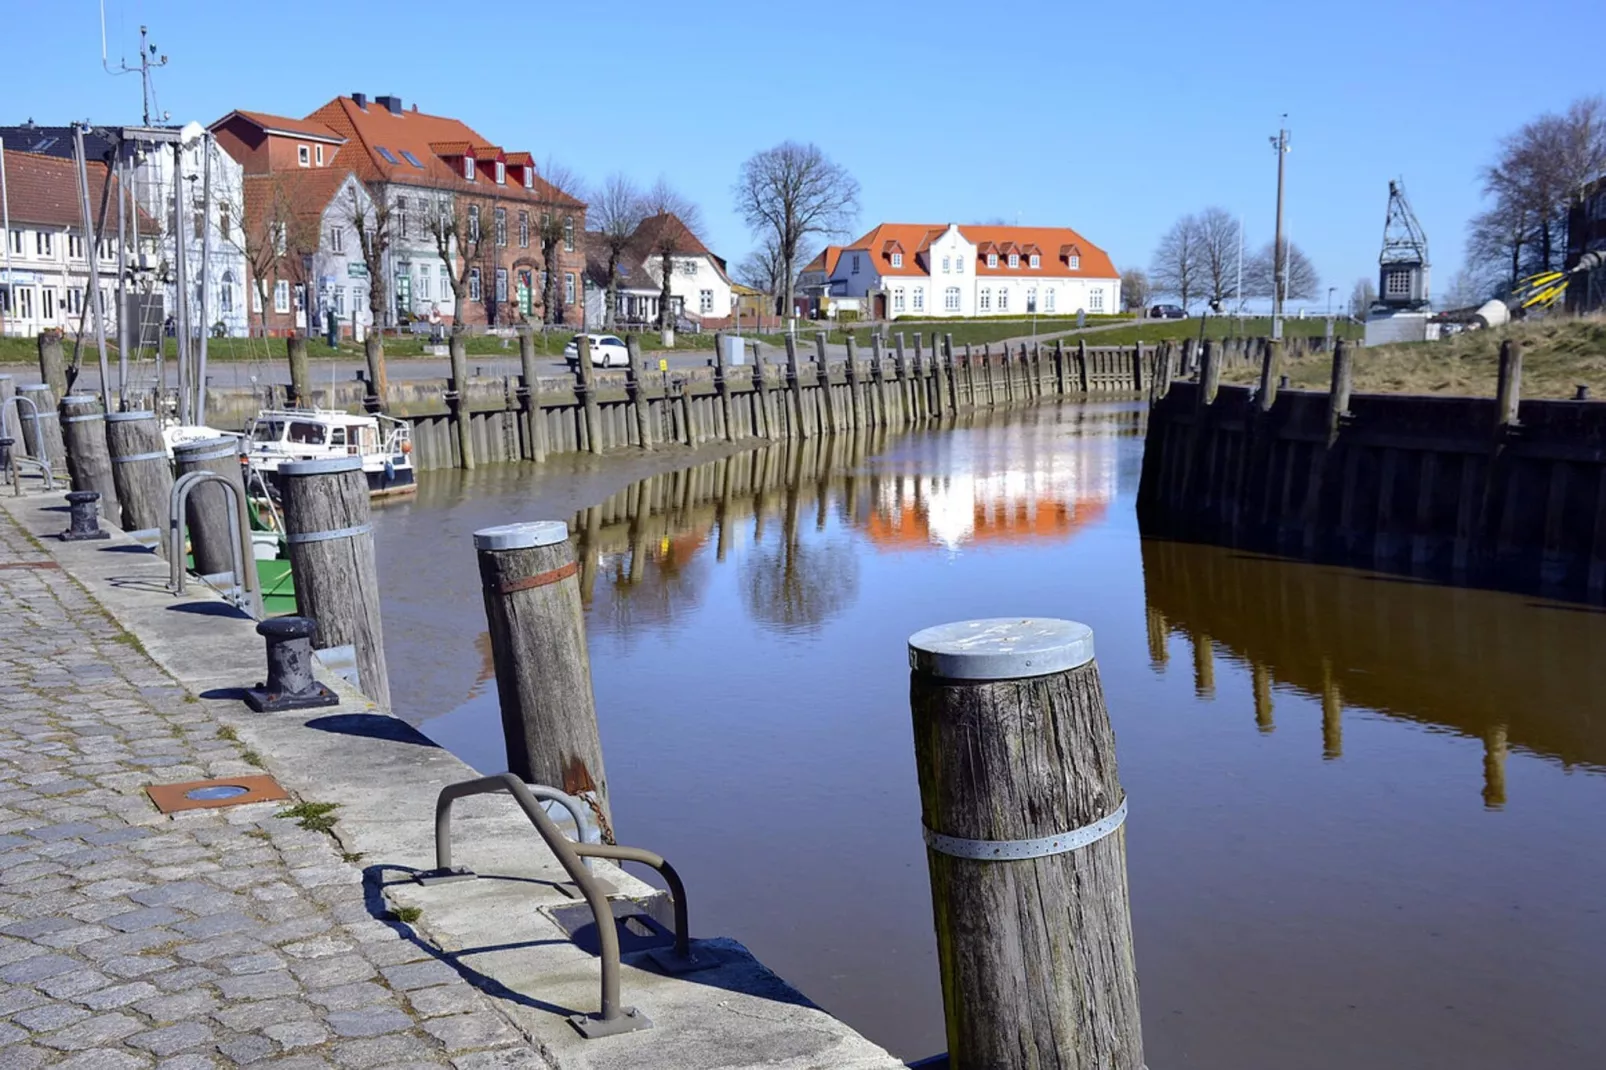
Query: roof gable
43	190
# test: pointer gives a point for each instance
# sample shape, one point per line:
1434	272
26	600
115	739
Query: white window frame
500	216
281	296
44	243
705	301
473	223
1095	299
501	173
317	155
950	299
920	299
1003	299
946	261
568	287
337	240
16	241
474	284
898	298
1074	261
75	301
992	260
75	247
1035	261
524	229
468	168
568	233
501	285
303	155
986	302
1048	299
47	303
897	260
529	176
1014	260
855	270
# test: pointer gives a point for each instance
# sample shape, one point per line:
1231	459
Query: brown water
1365	813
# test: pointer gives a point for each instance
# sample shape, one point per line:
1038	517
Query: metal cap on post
1022	806
529	578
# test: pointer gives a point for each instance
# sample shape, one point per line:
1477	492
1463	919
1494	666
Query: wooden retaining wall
1485	491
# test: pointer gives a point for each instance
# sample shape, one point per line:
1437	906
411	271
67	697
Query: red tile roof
280	124
427	137
825	261
1095	262
304	194
43	190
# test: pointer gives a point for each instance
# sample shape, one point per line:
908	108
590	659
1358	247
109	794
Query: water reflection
1454	659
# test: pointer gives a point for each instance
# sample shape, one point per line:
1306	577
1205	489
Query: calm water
1365	813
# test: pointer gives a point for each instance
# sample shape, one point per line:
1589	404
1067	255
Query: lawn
1558	355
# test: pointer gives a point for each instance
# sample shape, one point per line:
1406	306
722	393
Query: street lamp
1330	290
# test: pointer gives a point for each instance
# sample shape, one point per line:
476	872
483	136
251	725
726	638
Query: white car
607	351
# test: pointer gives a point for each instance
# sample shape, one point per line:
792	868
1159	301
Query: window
897	260
945	262
107	249
225	294
992	260
47	303
1397	284
317	155
1031	301
401	217
446	213
501	173
959	265
1035	261
385	154
986	303
1003	299
278	239
920	300
524	230
197	223
501	284
897	300
303	156
24	303
473	284
75	247
568	287
423	282
16	242
474	222
340	300
501	225
75	301
337	240
950	299
410	158
529	176
44	243
1014	260
568	233
1048	300
281	296
855	263
300	293
468	168
1074	261
705	301
1095	300
223	221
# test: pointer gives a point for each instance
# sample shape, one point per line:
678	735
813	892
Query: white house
914	269
698	285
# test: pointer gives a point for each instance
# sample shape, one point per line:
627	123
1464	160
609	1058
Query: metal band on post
1042	847
320	536
155	455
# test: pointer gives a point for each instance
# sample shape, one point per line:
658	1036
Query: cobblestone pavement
219	938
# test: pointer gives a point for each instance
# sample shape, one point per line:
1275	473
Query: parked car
1168	312
607	351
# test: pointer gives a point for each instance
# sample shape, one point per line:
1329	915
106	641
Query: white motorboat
384	444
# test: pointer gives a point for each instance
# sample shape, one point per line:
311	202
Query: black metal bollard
5	457
1581	392
84	523
1282	380
290	685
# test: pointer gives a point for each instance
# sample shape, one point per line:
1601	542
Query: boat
385	444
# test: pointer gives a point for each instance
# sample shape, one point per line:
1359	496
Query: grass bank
1558	355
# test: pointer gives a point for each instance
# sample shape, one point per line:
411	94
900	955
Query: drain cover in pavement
209	794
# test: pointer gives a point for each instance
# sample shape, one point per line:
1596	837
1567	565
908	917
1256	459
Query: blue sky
1114	119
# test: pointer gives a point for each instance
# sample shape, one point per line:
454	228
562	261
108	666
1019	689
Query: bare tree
1361	298
1134	290
271	236
616	209
1178	262
793	191
464	236
1217	239
556	230
763	269
1466	289
669	230
1541	171
1299	281
371	219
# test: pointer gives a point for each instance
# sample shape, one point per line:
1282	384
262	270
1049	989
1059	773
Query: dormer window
468	168
317	155
1014	260
501	173
897	260
1035	261
1075	262
992	260
529	177
304	155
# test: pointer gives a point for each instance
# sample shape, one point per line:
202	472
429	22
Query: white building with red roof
918	269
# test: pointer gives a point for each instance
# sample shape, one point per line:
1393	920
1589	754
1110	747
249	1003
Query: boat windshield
267	431
307	433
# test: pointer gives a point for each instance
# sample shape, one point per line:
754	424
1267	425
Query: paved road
129	939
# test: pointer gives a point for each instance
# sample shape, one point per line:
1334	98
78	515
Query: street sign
356	270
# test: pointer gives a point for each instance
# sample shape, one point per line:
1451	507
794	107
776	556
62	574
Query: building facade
1586	233
701	290
919	270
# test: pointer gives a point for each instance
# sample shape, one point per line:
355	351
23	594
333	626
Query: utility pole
1279	255
92	254
181	288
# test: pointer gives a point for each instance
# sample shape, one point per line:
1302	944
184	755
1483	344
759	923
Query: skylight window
384	154
410	158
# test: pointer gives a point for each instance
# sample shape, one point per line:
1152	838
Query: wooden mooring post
529	397
295	348
329	532
83	430
1023	814
41	426
794	388
140	473
638	395
585	386
529	577
52	362
209	508
457	401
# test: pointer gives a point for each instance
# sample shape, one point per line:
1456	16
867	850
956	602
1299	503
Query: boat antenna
146	51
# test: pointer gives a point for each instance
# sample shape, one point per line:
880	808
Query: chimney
392	104
361	100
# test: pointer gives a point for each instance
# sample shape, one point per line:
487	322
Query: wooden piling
722	386
89	465
457	399
765	415
1209	373
140	472
1271	370
822	379
208	508
329	533
856	417
585	386
52	363
41	426
529	396
301	373
528	575
637	388
794	387
1338	391
1023	813
1508	397
1081	365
